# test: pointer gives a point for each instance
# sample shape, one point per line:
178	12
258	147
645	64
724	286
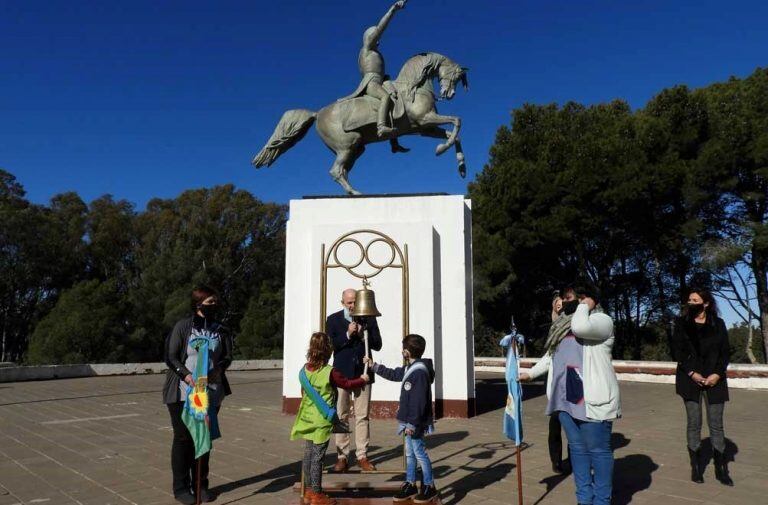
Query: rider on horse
371	65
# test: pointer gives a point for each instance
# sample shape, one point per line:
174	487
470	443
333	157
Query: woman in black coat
700	346
181	358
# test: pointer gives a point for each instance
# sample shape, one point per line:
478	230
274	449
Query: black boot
721	469
696	473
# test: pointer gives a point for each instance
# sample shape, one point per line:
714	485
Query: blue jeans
415	449
591	458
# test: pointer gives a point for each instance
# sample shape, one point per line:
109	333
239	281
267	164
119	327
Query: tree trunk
750	338
761	288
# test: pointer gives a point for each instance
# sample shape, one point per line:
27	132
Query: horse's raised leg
435	119
343	164
440	133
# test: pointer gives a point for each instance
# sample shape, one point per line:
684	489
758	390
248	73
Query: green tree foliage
626	201
40	254
735	165
102	282
222	237
87	325
739	338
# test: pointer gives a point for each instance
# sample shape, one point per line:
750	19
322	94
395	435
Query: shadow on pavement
488	464
279	478
379	456
631	474
284	477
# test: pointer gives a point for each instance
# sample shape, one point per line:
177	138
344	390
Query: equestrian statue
379	109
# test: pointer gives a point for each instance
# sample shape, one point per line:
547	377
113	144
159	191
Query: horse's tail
292	127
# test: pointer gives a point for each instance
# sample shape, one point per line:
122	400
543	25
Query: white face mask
346	315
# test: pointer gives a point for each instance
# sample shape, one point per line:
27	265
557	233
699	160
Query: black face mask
570	307
695	309
209	311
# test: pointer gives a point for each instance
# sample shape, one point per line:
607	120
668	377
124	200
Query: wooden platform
373	484
368	501
368	488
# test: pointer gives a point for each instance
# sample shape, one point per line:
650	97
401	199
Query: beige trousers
361	398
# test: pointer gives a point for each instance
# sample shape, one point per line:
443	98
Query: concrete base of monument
380	409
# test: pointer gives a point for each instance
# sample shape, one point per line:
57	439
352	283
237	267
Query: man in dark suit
348	352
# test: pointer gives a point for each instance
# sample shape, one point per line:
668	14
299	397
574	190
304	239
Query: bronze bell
365	302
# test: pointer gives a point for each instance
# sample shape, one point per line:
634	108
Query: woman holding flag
197	352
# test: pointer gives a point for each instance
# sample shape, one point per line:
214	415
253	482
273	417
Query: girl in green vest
311	422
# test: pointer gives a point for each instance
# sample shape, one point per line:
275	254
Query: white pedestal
438	234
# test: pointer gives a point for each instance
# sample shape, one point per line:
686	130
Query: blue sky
146	99
142	99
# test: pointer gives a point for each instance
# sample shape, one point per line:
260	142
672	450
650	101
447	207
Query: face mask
570	307
695	309
209	311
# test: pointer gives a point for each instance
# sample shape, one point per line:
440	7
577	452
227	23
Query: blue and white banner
513	412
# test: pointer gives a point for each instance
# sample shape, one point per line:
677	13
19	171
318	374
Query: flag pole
519	477
199	472
519	459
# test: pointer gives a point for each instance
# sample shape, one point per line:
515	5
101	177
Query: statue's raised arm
374	33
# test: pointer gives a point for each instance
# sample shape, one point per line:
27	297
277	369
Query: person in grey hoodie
414	416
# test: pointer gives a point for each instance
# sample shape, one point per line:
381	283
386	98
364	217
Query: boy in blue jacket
414	416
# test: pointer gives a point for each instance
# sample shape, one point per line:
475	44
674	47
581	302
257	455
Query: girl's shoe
407	491
427	494
320	499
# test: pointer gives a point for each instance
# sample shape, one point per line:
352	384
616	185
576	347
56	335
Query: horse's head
449	74
421	69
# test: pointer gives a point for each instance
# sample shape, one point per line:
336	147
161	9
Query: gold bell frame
330	259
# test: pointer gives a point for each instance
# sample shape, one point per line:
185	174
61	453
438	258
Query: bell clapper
365	306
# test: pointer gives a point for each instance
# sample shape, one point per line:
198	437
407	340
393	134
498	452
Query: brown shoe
341	466
366	465
322	499
307	498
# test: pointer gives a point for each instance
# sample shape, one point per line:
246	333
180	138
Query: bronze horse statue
348	125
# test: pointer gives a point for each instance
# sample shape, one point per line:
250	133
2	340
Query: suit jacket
348	353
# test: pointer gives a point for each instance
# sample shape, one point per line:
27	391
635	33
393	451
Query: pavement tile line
84	419
62	465
57	410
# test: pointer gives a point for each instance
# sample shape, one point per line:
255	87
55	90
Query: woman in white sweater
582	390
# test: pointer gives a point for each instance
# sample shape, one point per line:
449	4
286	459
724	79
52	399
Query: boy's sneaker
407	491
427	494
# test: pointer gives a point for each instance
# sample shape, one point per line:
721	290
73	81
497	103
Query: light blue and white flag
513	412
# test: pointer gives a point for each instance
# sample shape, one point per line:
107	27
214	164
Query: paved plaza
106	440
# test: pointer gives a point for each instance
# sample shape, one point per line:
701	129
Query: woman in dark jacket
181	358
700	346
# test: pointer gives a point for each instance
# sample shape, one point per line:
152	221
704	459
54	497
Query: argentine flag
513	412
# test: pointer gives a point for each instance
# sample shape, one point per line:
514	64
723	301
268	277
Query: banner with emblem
198	414
513	411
